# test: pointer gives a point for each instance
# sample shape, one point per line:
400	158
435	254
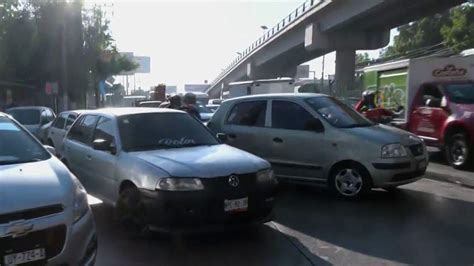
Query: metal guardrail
269	34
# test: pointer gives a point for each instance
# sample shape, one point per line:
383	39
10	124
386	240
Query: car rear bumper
175	212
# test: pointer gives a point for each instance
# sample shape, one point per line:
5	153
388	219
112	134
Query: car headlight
179	184
265	176
394	151
81	206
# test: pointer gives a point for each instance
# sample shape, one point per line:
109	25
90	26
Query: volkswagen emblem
234	181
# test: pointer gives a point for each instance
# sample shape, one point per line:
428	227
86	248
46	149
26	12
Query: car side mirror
222	137
50	149
104	145
315	125
433	103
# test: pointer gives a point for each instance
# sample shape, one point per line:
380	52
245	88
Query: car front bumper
397	172
81	244
175	212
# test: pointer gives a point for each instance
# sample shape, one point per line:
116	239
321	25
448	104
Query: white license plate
25	256
236	205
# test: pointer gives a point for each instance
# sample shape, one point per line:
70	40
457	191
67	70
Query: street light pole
322	73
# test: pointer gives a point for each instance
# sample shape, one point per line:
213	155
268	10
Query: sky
191	41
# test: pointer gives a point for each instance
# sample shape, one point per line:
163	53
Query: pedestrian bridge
318	27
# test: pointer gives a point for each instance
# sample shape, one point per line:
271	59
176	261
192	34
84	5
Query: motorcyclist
368	101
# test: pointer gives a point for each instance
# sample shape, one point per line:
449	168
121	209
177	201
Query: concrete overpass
318	27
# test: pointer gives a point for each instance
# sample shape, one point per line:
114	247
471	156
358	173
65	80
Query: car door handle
52	133
232	135
278	140
88	157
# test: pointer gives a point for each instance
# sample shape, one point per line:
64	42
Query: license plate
422	165
25	256
236	205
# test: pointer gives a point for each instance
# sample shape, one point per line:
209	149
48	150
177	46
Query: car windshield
151	131
16	146
337	113
26	116
461	93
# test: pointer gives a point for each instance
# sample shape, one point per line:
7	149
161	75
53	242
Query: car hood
383	134
33	185
203	161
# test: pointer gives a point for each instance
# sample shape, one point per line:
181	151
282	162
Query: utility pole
322	73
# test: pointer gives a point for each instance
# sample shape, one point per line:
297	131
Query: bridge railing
269	34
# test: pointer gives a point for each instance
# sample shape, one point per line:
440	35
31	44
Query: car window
337	113
248	114
151	131
429	93
289	115
26	116
83	129
70	120
17	146
60	121
104	129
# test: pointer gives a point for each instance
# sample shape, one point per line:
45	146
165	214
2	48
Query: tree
102	59
362	59
459	33
452	30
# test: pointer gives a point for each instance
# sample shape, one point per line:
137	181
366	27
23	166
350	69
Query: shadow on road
412	227
262	245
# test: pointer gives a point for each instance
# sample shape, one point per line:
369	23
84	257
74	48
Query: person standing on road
190	105
175	102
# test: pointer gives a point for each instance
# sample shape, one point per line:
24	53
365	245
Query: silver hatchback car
44	214
316	139
164	170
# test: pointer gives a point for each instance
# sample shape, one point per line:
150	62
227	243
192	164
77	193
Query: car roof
76	111
131	111
28	107
277	96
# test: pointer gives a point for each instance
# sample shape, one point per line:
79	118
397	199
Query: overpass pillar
345	70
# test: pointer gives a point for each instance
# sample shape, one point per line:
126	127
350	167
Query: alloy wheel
348	182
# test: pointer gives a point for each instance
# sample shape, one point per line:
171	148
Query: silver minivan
57	131
44	214
33	118
316	139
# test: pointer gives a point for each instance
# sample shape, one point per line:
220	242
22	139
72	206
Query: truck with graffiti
434	97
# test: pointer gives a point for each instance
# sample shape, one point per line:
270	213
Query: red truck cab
442	113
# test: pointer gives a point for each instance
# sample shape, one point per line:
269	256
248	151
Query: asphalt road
425	223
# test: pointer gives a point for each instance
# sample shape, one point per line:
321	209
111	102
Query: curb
451	178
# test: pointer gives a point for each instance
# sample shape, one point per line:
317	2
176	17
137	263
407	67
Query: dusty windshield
461	93
337	113
16	146
151	131
26	116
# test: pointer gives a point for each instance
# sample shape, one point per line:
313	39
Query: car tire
350	180
130	210
459	151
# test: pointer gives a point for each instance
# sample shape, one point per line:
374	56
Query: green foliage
453	29
52	40
362	59
459	33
